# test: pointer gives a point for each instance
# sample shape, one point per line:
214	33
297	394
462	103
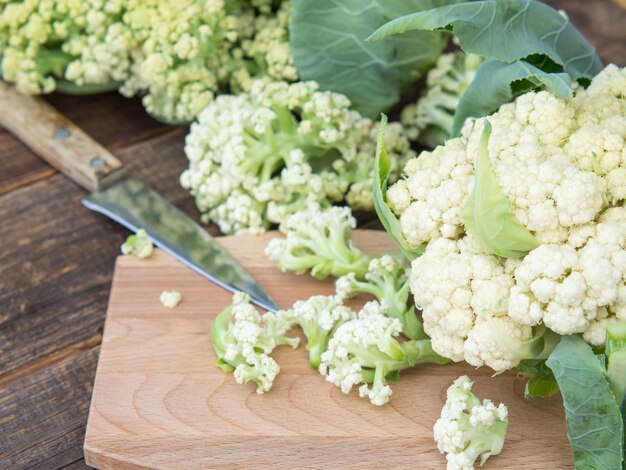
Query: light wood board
159	402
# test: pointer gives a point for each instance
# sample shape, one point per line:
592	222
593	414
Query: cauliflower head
44	41
176	54
257	157
560	165
554	183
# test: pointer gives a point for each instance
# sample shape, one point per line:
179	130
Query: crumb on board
170	299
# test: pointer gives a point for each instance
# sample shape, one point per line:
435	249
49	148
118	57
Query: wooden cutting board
159	402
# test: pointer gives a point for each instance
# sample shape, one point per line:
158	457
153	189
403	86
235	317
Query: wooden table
56	260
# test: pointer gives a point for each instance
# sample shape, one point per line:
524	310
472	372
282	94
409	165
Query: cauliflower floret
319	317
560	162
365	350
438	185
601	148
319	240
603	99
243	339
567	287
257	157
387	279
138	244
469	430
488	342
461	292
170	299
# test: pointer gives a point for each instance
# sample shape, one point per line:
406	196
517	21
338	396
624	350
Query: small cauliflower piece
469	430
319	317
243	340
319	240
138	245
387	279
365	351
170	299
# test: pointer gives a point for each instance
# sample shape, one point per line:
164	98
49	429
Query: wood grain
114	121
58	140
57	257
159	402
42	414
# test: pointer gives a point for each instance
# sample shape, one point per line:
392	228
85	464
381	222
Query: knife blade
120	196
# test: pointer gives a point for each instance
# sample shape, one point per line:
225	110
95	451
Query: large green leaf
386	216
594	424
487	215
507	30
328	45
492	87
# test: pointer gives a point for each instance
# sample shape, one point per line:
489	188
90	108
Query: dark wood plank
78	465
112	120
57	257
43	415
19	166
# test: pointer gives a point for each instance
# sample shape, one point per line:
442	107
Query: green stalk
70	88
616	360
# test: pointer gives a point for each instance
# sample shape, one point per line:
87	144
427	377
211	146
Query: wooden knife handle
58	140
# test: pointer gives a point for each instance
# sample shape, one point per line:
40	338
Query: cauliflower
365	351
550	189
170	299
463	293
176	54
387	279
42	41
319	317
553	178
257	157
243	339
469	430
570	287
138	245
429	121
319	240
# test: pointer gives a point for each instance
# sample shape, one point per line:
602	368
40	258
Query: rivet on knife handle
58	140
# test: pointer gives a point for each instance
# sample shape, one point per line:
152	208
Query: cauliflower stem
319	240
365	350
319	317
616	360
387	279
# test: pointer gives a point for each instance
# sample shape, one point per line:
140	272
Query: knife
120	196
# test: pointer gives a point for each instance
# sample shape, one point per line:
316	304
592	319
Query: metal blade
135	205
